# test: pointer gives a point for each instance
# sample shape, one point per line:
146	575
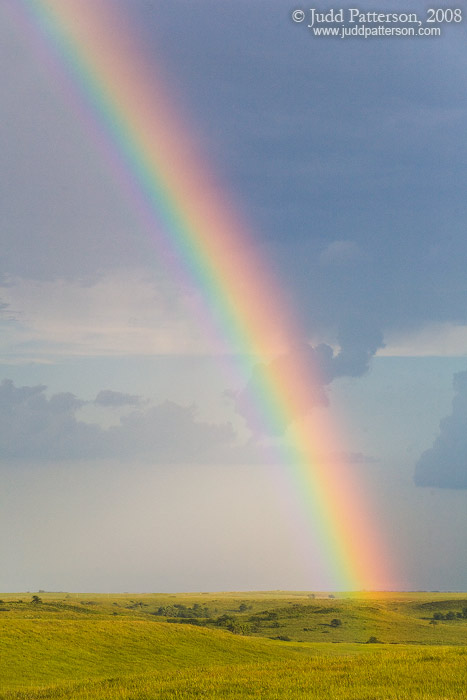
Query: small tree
36	600
225	620
335	622
239	627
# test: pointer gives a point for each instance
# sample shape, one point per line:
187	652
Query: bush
335	622
225	620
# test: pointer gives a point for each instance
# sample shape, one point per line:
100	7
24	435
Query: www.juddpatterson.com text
348	22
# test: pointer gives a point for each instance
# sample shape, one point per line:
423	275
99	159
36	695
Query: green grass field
233	645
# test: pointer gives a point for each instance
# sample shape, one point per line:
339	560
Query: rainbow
119	94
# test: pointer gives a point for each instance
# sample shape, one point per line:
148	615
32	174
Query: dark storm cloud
445	464
339	151
35	427
358	339
333	141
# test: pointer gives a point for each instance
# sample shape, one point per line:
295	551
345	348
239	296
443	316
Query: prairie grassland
245	645
396	674
37	652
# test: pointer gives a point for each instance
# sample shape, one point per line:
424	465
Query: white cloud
433	340
125	312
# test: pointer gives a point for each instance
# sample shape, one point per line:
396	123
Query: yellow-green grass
389	674
43	651
98	647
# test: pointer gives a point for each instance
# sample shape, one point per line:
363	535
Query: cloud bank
38	429
444	465
34	427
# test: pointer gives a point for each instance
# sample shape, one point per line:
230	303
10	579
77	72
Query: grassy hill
241	645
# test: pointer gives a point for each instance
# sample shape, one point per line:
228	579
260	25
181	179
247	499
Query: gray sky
127	453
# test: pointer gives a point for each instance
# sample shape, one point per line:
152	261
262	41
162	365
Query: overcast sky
128	458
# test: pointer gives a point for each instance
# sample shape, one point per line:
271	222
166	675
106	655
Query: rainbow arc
188	214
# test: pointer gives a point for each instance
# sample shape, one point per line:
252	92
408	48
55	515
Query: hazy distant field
233	645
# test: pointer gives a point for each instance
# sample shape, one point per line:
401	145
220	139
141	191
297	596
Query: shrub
225	620
239	628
